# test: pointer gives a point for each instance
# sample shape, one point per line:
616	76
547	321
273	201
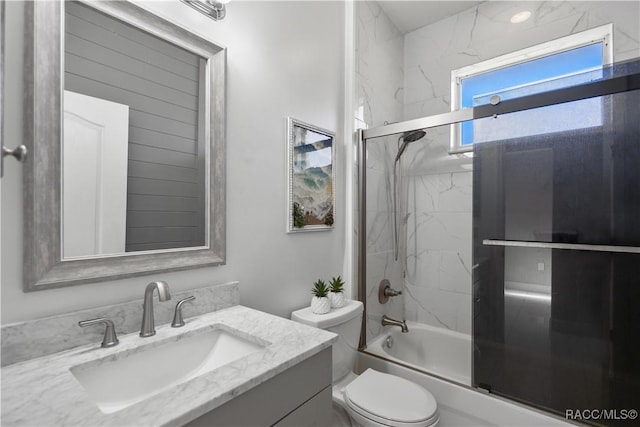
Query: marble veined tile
375	22
628	55
437	307
379	191
454	272
379	232
440	269
450	192
455	192
381	152
378	43
426	305
419	85
427	107
424	191
379	65
382	266
626	30
423	267
464	316
440	230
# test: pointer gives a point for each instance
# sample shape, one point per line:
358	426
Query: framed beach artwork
312	177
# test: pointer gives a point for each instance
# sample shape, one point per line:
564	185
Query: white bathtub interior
461	406
439	351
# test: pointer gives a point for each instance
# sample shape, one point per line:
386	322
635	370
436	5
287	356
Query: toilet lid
390	398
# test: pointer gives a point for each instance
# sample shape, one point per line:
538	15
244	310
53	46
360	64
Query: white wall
284	59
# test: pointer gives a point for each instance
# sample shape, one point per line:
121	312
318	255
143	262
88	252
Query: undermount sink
119	381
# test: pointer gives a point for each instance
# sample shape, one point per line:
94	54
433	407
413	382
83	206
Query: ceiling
410	15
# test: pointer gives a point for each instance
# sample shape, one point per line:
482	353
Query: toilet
372	398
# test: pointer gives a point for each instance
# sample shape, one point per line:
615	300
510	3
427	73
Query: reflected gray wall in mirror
143	188
170	92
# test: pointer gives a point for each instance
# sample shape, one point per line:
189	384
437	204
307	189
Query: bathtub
461	405
428	356
437	351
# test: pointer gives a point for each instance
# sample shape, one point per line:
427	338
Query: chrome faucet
148	327
110	338
387	321
178	320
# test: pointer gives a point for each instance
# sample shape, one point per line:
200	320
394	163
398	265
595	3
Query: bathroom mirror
124	113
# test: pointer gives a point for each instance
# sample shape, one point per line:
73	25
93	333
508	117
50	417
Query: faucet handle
110	339
385	291
392	292
178	321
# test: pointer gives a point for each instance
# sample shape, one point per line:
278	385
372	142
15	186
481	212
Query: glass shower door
556	276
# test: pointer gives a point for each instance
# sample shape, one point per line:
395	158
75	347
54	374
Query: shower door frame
609	86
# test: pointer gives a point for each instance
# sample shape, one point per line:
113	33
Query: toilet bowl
372	398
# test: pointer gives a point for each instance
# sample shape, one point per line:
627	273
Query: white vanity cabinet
299	396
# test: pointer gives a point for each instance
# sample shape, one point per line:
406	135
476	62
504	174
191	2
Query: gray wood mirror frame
45	266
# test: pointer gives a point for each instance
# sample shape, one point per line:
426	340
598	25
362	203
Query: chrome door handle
20	153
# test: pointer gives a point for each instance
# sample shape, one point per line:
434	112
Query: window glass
562	69
568	61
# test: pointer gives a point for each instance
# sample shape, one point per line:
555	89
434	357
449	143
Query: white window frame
602	34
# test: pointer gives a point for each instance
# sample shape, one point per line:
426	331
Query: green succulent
320	289
337	285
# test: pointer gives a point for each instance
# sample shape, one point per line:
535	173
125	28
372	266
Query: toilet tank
346	322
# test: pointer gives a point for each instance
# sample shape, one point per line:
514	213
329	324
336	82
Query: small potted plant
320	302
336	296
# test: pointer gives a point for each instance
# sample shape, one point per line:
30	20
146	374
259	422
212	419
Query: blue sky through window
528	74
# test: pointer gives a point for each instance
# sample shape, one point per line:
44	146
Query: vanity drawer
305	387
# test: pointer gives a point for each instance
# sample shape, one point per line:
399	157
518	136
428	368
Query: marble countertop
44	392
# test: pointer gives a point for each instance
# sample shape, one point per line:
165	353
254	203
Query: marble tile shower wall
438	259
379	67
439	221
379	98
484	32
381	262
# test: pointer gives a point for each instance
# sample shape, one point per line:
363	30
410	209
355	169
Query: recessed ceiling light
520	17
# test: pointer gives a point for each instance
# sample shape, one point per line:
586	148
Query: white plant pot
336	299
320	305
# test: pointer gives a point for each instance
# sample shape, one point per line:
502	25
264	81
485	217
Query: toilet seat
390	400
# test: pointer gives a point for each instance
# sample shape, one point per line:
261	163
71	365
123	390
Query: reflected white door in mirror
94	181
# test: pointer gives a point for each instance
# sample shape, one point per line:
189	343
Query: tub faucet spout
387	321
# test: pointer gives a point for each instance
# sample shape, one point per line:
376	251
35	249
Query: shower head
413	135
407	138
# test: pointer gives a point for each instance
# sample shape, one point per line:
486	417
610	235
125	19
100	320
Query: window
564	62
